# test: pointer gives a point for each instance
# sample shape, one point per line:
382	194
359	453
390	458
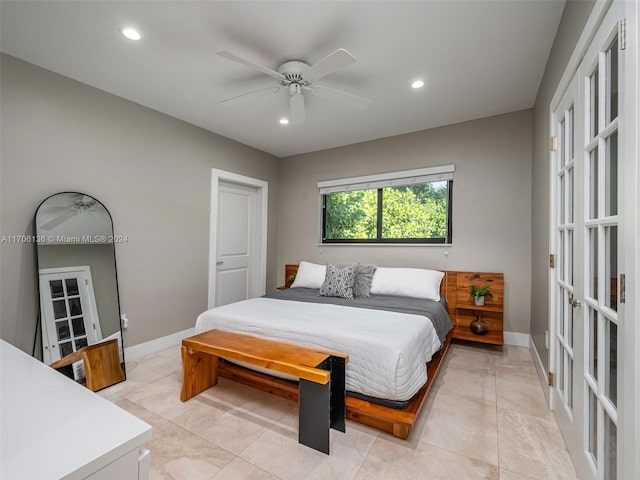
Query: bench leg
199	372
338	392
314	415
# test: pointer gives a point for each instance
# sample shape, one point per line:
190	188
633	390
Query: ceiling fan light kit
298	76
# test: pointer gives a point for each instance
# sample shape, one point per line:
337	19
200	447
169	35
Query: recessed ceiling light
284	121
417	84
131	33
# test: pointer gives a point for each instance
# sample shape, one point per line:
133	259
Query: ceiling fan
76	203
297	76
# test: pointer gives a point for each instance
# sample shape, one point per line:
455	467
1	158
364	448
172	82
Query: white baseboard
542	374
517	339
131	354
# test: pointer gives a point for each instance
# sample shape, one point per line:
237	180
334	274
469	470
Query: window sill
412	245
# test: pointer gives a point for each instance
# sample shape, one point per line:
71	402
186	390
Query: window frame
380	182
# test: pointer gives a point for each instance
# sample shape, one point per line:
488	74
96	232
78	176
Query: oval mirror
79	306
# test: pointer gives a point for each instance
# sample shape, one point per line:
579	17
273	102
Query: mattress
387	350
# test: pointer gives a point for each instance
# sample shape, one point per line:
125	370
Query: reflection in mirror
78	288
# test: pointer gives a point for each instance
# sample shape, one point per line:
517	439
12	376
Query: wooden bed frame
397	422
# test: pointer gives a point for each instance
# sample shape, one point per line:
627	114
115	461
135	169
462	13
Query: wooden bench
321	387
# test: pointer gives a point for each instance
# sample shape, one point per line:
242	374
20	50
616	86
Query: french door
601	81
568	330
70	317
588	198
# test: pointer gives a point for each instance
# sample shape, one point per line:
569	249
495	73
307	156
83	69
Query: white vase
479	301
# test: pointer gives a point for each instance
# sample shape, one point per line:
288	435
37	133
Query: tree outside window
418	213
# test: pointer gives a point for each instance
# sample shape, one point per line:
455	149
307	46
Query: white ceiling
477	58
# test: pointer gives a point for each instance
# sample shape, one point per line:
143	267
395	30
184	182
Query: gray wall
100	260
573	20
151	171
491	202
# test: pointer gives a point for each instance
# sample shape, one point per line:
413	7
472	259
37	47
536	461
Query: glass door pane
593	104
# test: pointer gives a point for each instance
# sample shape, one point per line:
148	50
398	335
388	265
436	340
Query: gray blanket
436	311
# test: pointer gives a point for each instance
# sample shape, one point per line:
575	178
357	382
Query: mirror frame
39	238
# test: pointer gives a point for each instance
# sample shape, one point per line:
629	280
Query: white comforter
387	350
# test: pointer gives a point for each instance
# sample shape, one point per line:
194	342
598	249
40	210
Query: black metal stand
322	407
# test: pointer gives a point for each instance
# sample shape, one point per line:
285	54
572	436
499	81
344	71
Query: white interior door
236	244
70	316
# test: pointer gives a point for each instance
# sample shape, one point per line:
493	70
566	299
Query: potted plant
478	293
290	279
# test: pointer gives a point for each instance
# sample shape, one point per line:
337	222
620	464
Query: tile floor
485	418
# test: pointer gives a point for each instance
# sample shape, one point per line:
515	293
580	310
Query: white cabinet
53	428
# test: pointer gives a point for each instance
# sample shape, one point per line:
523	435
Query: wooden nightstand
463	310
289	270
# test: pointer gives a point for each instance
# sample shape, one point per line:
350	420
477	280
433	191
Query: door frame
629	370
262	208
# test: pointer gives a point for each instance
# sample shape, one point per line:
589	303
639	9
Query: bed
395	343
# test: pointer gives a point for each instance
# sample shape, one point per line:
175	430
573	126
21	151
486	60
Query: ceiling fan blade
250	64
57	209
263	92
329	64
339	96
60	219
298	114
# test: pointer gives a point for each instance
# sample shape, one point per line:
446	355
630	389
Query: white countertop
54	428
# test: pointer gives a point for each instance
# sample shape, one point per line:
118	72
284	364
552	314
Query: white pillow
310	275
407	282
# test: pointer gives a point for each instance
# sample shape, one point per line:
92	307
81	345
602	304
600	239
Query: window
402	207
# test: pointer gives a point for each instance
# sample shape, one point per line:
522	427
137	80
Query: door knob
574	303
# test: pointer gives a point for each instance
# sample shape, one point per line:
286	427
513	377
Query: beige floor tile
522	370
389	460
238	469
152	367
532	446
463	425
521	393
228	394
278	452
179	454
140	412
266	407
415	434
162	397
232	415
120	389
477	347
514	356
174	353
469	383
507	475
232	430
472	359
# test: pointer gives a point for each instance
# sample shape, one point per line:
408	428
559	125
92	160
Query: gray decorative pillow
339	281
364	277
